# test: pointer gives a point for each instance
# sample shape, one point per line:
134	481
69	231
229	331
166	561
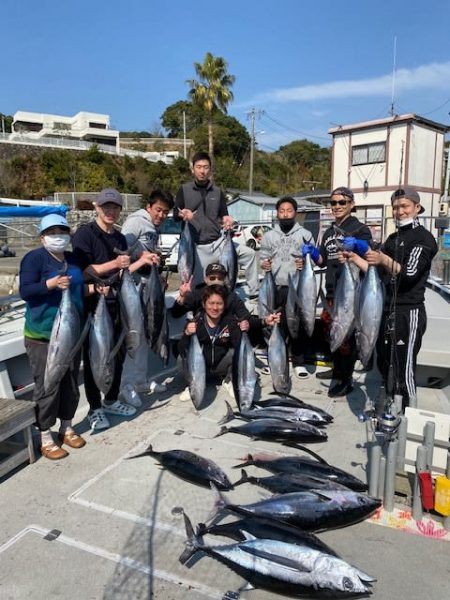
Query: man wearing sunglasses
346	229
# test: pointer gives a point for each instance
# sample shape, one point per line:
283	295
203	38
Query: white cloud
435	76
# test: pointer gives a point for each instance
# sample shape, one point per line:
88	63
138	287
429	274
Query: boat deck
98	526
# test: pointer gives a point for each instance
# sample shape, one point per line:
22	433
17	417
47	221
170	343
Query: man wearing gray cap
405	262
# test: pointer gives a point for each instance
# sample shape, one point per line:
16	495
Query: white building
84	126
374	158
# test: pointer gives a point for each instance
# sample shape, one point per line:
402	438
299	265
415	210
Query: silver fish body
131	310
266	298
291	309
197	371
65	335
153	305
278	361
370	312
344	307
229	260
278	566
244	373
186	254
307	295
101	343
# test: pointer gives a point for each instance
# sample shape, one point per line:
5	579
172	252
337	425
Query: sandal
53	452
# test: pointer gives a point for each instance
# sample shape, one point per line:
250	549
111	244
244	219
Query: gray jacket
139	227
280	247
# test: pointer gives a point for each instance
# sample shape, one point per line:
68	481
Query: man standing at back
203	205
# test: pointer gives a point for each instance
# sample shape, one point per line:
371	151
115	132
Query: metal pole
402	429
381	477
447	177
374	468
389	483
252	145
428	442
184	134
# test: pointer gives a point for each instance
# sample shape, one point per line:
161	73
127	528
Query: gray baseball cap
109	195
409	193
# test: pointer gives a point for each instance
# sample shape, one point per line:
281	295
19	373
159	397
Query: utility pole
184	134
252	116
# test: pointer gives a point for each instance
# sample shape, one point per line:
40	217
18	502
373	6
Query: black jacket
215	344
413	247
193	302
330	246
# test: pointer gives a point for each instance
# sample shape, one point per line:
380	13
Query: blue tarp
32	211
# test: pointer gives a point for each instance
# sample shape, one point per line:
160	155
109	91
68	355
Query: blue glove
312	250
354	245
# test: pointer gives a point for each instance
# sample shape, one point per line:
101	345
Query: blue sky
308	64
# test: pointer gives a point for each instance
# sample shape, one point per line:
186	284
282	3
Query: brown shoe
72	439
53	452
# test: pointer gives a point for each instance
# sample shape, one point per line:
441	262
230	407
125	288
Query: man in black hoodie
404	263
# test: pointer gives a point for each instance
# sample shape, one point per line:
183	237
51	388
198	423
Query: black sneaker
325	374
340	389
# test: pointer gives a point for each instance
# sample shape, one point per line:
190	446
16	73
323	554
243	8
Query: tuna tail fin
147	452
220	503
248	461
222	431
191	542
307	450
228	417
244	478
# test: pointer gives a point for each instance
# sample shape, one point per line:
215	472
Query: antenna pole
393	77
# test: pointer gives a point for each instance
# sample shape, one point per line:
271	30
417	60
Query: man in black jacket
404	262
345	227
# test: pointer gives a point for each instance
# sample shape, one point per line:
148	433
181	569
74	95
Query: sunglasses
338	202
216	277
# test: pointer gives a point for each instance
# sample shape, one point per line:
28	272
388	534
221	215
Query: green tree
212	90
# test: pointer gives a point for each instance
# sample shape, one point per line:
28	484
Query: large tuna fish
153	305
307	295
196	371
64	341
294	402
278	430
370	311
162	345
344	306
291	309
101	343
305	466
191	467
283	413
315	510
186	254
286	483
264	529
244	373
277	356
266	298
229	260
290	569
131	311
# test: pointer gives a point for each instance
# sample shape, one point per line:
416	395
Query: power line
284	126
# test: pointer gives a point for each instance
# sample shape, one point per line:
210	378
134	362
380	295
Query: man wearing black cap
346	228
405	262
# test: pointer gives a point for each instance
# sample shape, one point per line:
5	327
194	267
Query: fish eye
347	584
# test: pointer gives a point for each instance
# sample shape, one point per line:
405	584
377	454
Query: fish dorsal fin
276	559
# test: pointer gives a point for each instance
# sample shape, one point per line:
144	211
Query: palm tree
212	90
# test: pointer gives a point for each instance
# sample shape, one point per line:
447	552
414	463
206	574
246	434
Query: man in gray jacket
281	249
142	228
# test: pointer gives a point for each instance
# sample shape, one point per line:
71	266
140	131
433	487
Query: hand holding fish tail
60	282
122	261
190	328
266	264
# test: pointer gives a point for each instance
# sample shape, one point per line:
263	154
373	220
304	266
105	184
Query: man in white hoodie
142	228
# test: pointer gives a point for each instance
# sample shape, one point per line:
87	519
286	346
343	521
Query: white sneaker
301	372
130	396
120	409
228	387
151	387
185	395
98	420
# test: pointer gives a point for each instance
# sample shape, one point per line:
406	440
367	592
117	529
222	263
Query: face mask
56	242
286	224
404	222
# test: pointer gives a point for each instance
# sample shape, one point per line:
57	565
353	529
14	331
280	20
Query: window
97	125
171	226
369	153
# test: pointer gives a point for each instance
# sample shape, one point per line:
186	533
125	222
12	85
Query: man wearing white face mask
404	262
41	285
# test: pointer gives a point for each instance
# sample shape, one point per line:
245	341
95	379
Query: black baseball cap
343	191
215	268
410	194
